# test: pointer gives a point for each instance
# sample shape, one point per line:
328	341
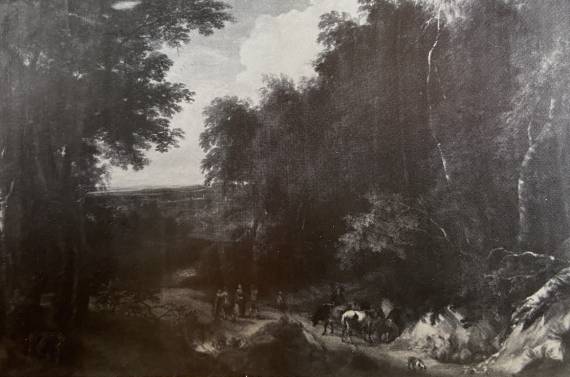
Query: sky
268	37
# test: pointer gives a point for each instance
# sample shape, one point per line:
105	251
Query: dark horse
328	314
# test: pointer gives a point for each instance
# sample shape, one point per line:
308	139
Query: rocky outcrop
539	328
449	339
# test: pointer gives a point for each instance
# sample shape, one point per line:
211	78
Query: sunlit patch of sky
269	37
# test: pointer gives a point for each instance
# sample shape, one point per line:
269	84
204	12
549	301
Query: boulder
448	339
465	355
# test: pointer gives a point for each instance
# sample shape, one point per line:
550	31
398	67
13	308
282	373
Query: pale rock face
447	340
542	341
546	316
464	355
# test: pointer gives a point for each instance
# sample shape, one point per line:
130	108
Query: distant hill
153	191
203	209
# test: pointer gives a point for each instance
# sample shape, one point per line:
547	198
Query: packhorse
328	314
365	321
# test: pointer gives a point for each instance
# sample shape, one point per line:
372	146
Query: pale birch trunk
525	174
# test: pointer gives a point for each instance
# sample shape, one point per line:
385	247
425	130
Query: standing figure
253	292
240	301
218	302
280	301
226	303
337	296
234	310
333	299
340	295
391	331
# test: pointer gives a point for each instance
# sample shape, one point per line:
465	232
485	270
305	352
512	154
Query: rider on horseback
337	296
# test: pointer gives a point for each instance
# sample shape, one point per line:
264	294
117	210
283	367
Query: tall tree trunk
83	275
525	175
5	260
399	100
563	158
433	132
461	234
72	232
72	283
64	303
256	214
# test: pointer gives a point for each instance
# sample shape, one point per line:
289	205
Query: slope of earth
119	346
288	347
540	332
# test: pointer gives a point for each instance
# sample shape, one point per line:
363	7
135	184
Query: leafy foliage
88	90
405	109
230	129
389	226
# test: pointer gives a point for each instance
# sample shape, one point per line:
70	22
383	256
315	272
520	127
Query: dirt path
244	328
382	353
241	328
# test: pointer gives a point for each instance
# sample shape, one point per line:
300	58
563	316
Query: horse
389	331
364	320
328	314
397	317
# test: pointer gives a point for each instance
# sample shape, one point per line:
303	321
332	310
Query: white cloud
277	44
286	43
125	5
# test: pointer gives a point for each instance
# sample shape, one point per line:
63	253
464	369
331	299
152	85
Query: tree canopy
86	88
452	115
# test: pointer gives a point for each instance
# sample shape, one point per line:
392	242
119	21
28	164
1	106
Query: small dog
415	363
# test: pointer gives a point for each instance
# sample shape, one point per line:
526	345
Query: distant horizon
147	187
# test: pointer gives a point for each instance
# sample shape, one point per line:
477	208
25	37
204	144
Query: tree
388	227
88	86
405	106
230	125
540	112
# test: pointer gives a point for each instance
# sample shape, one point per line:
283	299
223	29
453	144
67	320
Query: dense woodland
434	132
84	87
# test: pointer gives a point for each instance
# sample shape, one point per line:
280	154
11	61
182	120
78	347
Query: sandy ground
382	352
129	351
245	327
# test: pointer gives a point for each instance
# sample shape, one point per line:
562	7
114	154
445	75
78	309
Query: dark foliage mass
434	132
83	87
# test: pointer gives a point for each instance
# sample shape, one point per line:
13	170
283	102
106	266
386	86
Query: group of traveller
360	316
236	304
241	304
